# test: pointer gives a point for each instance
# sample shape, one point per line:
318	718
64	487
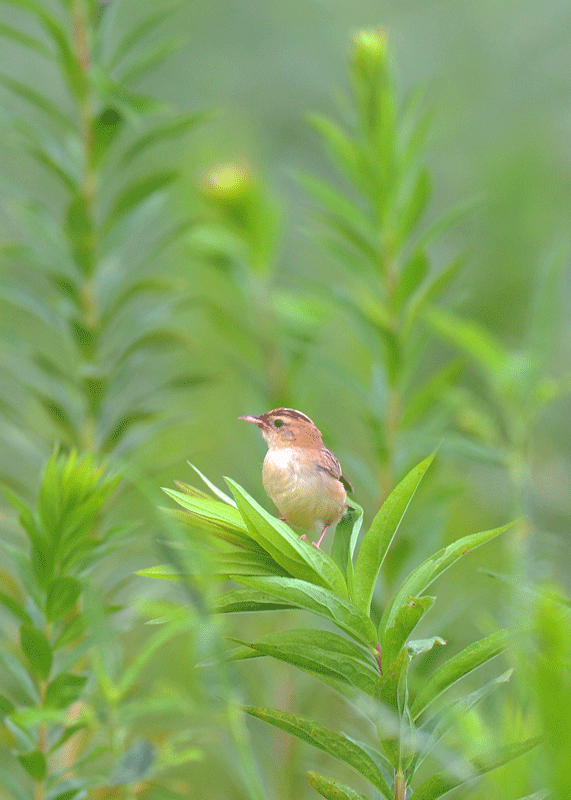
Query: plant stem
400	784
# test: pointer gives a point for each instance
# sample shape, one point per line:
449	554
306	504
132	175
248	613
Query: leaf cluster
368	663
90	256
46	675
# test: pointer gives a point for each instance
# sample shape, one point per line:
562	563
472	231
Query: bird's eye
278	423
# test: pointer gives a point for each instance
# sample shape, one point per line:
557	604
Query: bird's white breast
306	495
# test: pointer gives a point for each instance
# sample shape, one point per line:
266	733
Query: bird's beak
255	420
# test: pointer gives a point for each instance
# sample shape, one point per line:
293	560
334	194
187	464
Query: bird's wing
330	464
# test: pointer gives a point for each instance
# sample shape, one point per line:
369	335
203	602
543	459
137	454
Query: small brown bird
301	476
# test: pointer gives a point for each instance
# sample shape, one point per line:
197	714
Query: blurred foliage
154	286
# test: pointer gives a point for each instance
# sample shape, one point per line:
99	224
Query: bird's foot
304	537
323	532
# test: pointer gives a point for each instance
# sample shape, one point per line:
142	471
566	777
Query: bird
301	476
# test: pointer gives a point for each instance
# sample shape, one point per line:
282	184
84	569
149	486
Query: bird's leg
323	532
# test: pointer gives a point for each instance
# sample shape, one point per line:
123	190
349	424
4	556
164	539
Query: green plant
73	715
371	227
370	664
87	273
266	329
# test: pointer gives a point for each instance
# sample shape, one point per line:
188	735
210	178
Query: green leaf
332	789
61	597
38	101
380	535
25	40
212	515
106	127
412	275
435	728
439	784
431	291
80	229
37	650
458	666
320	601
159	133
150	58
246	562
470	337
391	682
345	540
35	764
296	556
135	194
64	690
134	36
421	578
218	492
414	207
324	654
134	764
20	675
340	747
15	607
71	631
430	394
341	148
416	647
26	517
409	615
549	675
13	785
6	706
246	599
337	203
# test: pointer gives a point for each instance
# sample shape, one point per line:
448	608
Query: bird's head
286	427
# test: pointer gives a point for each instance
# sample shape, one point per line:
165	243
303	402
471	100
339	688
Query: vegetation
140	316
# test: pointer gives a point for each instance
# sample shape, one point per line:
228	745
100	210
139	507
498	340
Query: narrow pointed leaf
335	744
24	39
421	578
345	541
341	147
458	666
430	394
64	690
171	128
15	607
334	790
218	492
394	638
35	764
324	654
439	784
134	36
144	62
248	599
297	557
135	194
224	513
413	273
37	650
380	535
38	100
473	339
414	206
20	675
435	728
61	597
320	601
